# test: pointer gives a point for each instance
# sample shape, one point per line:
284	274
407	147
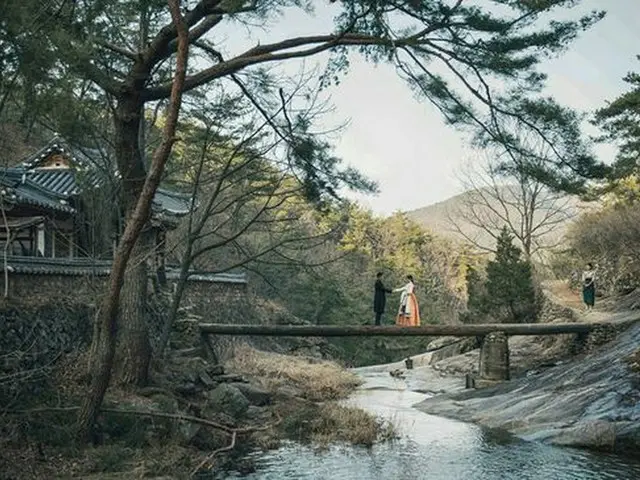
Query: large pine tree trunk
134	352
172	314
128	114
134	348
108	321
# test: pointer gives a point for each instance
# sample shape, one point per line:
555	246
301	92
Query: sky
403	144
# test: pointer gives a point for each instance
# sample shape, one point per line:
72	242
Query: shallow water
435	448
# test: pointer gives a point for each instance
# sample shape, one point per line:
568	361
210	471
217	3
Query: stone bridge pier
494	361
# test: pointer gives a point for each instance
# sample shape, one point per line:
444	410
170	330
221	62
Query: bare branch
529	211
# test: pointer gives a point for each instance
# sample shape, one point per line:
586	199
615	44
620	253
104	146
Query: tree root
148	413
207	460
234	432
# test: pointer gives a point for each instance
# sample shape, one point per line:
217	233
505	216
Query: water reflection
437	449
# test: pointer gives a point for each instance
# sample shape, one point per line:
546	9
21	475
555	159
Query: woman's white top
589	275
406	290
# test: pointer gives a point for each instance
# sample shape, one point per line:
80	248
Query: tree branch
274	52
120	50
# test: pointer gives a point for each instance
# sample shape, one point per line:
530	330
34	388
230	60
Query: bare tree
247	207
493	199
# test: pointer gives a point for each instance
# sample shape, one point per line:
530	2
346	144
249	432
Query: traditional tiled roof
58	266
78	157
17	187
65	183
210	277
171	202
93	267
59	181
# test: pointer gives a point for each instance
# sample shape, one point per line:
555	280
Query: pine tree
510	290
476	297
620	121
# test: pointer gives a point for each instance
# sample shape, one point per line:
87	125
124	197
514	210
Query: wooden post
208	349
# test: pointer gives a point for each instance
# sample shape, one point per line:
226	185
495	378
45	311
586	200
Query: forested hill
454	219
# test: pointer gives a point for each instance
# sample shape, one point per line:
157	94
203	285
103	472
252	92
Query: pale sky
404	145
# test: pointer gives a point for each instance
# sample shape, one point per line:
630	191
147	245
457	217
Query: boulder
186	389
227	399
206	379
258	415
215	370
187	431
594	434
209	439
256	395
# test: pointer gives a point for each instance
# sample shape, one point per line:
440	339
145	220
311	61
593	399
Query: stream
433	448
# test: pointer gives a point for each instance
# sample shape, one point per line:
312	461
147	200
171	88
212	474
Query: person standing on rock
379	298
589	286
409	313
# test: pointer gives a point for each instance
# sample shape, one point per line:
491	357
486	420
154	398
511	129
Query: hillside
443	217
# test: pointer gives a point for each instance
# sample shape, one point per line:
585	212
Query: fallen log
394	331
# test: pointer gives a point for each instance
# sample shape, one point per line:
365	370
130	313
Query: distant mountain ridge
441	218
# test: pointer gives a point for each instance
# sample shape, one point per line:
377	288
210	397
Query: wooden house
60	221
44	212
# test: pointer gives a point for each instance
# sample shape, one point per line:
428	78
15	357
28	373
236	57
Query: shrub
509	293
609	238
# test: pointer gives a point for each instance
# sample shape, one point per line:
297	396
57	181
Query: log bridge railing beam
510	329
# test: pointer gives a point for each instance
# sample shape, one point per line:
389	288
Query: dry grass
349	424
312	414
113	461
332	422
317	380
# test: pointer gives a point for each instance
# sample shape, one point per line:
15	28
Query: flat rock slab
596	434
421	379
591	401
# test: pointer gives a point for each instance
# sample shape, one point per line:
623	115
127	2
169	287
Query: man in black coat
379	298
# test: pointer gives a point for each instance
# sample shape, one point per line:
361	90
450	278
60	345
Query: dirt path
615	309
564	295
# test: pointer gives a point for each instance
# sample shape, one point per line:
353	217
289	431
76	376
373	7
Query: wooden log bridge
494	352
394	331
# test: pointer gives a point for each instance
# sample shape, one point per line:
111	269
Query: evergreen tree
620	120
510	290
477	306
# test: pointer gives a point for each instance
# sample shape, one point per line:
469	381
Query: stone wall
33	338
49	315
209	296
30	289
33	289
